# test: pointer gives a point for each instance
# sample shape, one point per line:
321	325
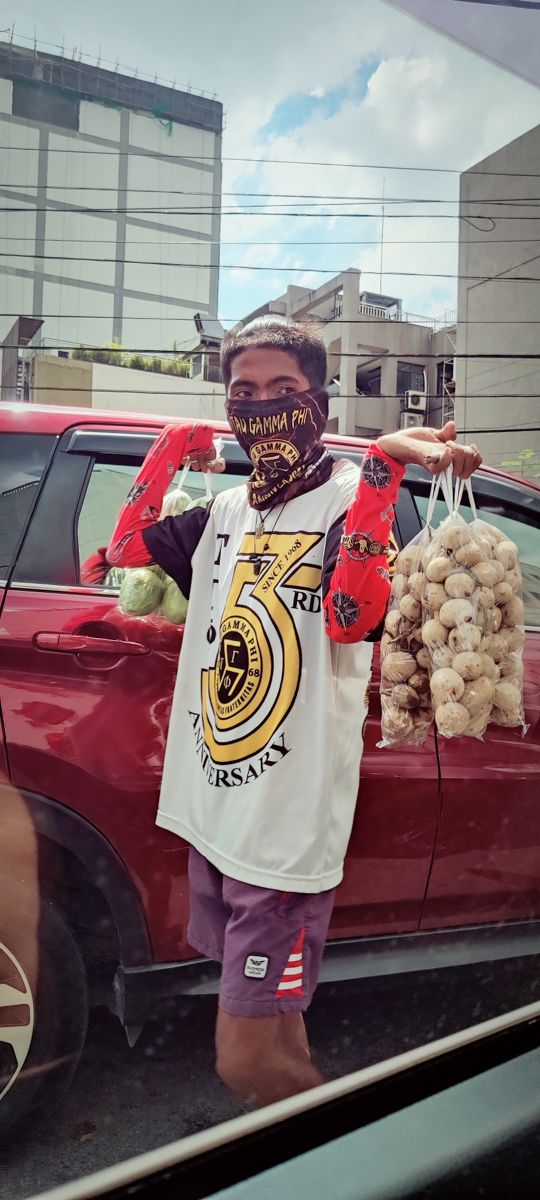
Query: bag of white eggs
469	637
406	704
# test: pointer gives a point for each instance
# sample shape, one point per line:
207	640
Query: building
387	368
498	398
110	188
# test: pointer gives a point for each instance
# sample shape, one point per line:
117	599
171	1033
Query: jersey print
248	693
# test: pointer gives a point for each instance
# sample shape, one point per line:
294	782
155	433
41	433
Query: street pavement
124	1101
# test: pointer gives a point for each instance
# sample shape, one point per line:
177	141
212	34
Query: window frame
52	439
507	493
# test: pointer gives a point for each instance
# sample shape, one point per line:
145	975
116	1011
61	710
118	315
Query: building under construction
111	188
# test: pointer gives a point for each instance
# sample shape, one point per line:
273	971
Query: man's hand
434	449
207	461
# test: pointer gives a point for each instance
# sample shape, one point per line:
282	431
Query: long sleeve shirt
359	547
261	775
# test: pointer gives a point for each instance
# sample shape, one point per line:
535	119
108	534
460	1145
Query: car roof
56	419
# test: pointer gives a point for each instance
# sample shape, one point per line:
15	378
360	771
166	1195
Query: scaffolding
84	80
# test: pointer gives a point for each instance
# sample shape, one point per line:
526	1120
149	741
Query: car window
107	490
522	526
23	458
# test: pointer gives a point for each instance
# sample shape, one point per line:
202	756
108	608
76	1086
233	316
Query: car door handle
78	643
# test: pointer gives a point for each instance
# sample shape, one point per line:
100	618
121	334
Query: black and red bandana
282	437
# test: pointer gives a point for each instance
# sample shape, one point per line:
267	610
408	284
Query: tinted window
23	458
44	104
107	489
522	525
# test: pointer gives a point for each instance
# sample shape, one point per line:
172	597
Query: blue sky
357	82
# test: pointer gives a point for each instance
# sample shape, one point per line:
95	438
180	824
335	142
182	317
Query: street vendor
288	581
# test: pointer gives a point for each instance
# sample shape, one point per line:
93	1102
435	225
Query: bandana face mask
282	437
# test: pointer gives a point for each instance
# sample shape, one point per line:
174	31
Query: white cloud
429	103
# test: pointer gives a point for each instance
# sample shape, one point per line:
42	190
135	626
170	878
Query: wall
124	389
500	315
60	381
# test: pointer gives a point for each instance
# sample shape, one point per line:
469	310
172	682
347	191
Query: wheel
42	1026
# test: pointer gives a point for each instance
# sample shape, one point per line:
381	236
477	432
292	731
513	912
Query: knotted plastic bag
466	581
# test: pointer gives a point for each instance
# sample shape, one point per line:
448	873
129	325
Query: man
287	576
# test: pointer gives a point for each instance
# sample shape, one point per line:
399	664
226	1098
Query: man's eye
242	394
287	390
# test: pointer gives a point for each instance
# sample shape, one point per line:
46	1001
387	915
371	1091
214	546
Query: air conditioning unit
415	401
408	420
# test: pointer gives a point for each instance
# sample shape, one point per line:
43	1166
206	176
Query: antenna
382	238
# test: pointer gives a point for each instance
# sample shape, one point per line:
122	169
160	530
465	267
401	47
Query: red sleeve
356	576
96	568
143	505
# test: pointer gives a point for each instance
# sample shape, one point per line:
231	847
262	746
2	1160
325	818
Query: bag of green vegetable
141	591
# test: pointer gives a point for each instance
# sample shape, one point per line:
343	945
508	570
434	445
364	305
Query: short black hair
301	339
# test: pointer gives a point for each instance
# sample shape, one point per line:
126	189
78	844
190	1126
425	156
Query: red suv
443	865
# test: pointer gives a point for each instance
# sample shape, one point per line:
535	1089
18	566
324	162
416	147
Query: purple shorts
270	943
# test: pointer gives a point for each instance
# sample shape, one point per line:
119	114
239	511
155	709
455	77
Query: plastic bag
468	584
148	592
406	708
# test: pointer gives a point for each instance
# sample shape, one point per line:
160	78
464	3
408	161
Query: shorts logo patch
256	966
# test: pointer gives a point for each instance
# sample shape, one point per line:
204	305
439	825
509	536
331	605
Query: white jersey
265	740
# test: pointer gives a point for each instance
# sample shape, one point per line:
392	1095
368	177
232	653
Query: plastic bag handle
441	482
460	485
183	474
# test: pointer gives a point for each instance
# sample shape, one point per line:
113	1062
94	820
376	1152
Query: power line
429	321
271	196
490	356
182	241
143	262
353	396
135	152
87	210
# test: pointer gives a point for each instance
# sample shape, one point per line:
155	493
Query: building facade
110	199
387	368
498	398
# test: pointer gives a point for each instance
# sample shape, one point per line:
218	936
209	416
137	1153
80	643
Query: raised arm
356	577
128	546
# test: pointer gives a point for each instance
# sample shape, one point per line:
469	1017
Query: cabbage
140	591
174	605
161	575
175	502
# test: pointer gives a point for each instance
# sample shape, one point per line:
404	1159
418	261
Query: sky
354	85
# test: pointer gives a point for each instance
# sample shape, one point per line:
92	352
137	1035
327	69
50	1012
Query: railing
394	314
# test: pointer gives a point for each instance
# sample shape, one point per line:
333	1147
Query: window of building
49	105
411	377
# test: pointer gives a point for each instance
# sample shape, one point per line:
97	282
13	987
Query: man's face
265	374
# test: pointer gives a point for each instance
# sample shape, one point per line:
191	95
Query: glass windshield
269	747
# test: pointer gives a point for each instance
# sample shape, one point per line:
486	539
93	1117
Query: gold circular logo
277	455
238	667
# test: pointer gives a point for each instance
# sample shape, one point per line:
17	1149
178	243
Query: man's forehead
250	365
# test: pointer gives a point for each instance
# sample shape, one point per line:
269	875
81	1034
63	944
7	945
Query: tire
39	1055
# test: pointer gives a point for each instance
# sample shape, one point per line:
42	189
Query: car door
486	866
23	462
393	836
86	690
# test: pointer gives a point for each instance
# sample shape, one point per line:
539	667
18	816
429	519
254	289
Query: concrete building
386	367
86	384
110	190
499	305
